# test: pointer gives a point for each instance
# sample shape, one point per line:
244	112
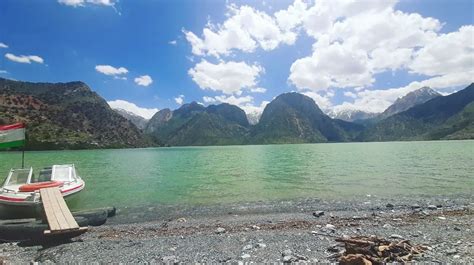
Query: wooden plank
58	210
70	222
49	212
59	217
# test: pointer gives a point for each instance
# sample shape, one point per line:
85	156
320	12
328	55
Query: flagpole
23	157
23	152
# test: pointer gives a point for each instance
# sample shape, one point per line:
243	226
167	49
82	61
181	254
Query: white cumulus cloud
76	3
179	99
3	45
110	70
245	29
131	107
144	80
448	53
24	58
227	77
353	43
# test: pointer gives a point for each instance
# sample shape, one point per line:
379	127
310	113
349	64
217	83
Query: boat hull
12	208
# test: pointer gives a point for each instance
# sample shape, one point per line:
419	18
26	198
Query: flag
12	135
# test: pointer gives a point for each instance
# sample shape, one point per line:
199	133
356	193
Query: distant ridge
410	100
443	117
139	121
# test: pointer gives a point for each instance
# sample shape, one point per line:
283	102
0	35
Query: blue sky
345	56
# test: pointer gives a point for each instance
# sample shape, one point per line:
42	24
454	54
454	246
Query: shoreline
226	145
261	232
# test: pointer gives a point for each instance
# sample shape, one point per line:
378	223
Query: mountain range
443	117
70	115
65	115
403	103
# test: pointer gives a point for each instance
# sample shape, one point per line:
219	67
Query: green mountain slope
295	118
65	115
194	124
439	118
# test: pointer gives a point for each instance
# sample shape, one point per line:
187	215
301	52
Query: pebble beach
284	231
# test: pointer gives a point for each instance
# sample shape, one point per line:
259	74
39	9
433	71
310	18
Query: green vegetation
193	124
65	115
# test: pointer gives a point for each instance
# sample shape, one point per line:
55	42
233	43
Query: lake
231	174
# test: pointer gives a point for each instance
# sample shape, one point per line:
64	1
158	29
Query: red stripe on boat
12	126
71	189
11	199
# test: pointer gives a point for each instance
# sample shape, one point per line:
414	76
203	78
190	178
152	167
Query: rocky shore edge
290	231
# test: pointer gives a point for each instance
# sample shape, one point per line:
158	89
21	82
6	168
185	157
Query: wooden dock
58	215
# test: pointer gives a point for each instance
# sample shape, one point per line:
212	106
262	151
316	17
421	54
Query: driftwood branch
374	250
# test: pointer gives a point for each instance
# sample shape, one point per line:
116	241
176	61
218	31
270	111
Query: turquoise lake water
231	174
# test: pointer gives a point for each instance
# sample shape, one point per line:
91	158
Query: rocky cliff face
65	115
139	121
410	100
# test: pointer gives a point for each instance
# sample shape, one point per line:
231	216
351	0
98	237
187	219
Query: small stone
333	248
415	206
457	228
355	217
247	247
396	236
451	251
261	245
386	226
432	207
318	213
287	259
286	252
169	259
456	257
439	206
441	218
245	256
389	205
220	230
255	227
330	226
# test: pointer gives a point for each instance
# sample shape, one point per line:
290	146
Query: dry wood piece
373	250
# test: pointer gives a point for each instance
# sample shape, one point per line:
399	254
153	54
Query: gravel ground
264	232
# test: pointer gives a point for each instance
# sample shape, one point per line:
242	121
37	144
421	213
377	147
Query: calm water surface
229	174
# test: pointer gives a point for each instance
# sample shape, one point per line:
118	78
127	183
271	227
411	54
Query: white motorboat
21	187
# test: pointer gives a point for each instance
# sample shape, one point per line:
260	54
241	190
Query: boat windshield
19	176
62	173
44	175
